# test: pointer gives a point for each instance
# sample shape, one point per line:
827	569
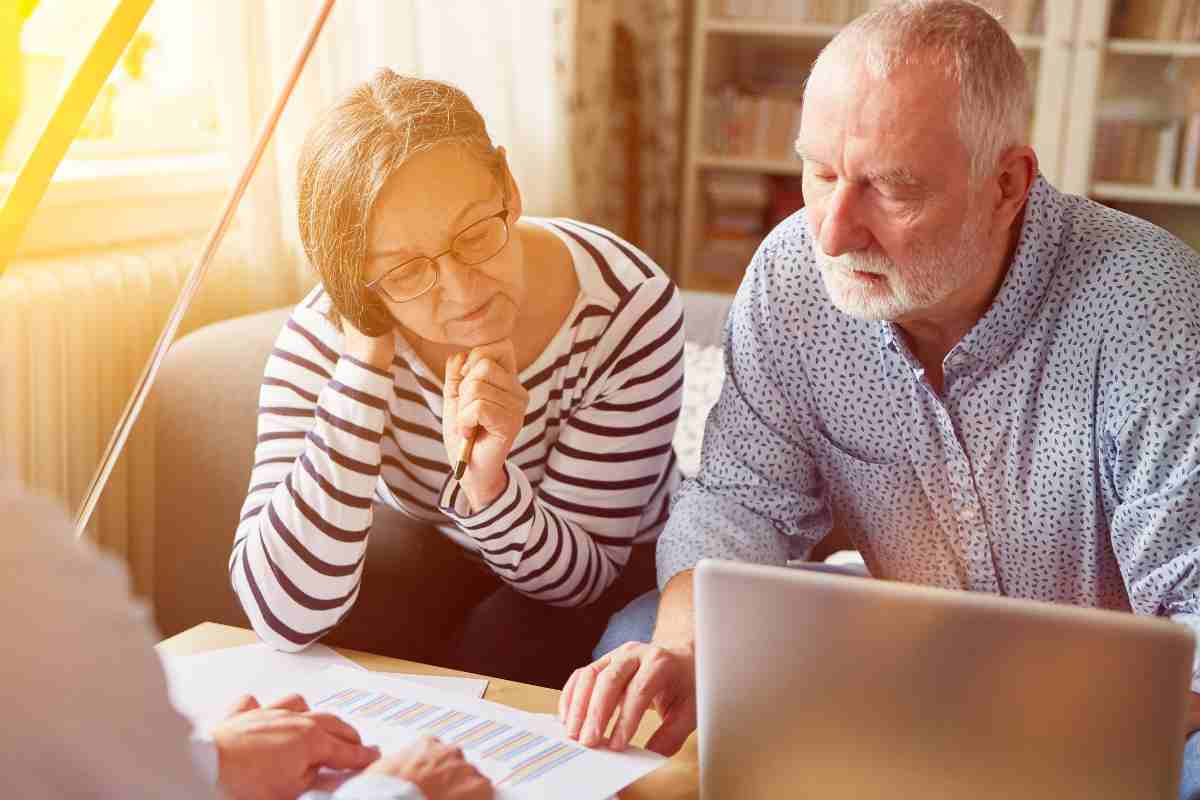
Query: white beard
932	277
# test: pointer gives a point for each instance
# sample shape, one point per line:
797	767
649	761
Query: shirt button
967	515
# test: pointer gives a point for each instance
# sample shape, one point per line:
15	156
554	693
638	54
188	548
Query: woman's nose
457	281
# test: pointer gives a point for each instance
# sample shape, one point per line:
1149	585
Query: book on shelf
1167	155
1127	151
1188	179
1161	153
787	197
735	203
1161	20
742	124
1143	140
740	208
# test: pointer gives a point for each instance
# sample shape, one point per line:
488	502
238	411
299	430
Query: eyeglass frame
374	285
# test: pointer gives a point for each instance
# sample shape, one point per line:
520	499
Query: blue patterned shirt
1061	461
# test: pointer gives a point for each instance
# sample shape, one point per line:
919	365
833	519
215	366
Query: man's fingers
246	702
564	698
674	731
337	753
652	679
291	702
581	697
336	726
606	698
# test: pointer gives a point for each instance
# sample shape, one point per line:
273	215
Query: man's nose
842	230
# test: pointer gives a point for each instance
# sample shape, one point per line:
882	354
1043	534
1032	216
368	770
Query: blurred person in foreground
89	715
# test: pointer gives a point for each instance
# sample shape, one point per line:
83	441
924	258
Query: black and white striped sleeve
566	542
298	551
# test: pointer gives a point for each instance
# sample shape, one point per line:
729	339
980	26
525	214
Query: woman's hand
482	395
378	351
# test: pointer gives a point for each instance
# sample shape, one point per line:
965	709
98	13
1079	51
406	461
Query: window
155	128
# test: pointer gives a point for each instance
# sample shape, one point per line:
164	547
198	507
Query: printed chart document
205	685
524	755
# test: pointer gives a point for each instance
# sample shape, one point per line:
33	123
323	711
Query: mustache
857	262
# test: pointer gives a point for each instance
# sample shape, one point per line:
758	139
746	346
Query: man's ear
1017	172
511	191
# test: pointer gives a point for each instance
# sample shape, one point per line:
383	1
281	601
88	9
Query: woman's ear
511	191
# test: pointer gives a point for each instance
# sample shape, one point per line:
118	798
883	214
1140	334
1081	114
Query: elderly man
983	382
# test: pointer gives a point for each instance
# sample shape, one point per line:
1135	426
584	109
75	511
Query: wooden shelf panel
1028	41
814	30
1150	47
770	27
1145	194
773	166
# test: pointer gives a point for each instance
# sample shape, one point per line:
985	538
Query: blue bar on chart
531	755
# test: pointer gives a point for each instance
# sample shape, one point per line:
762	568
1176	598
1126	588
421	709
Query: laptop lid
837	687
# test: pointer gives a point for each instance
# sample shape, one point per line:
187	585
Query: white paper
205	686
525	755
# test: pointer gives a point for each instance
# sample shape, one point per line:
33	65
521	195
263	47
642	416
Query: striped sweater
590	474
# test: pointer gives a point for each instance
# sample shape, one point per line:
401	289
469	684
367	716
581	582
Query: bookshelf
1132	69
1085	59
730	41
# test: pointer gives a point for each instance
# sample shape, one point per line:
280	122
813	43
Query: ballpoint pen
464	455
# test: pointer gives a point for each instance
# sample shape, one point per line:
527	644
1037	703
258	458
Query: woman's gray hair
972	48
352	149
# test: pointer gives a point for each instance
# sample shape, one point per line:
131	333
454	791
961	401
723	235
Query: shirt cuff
370	786
1192	621
204	757
502	513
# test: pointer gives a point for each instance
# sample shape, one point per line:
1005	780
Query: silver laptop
814	685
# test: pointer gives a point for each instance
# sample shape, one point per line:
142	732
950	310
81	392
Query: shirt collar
1024	288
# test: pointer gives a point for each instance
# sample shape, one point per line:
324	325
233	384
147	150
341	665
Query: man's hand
438	770
627	682
482	395
275	752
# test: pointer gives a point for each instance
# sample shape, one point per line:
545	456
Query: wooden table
677	779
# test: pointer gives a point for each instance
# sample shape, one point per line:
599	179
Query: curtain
623	76
540	71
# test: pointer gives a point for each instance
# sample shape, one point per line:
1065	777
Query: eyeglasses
472	245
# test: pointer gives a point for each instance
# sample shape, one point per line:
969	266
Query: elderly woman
444	315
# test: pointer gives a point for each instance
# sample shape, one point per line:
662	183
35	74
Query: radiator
75	333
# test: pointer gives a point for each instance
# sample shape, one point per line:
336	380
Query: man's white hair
971	47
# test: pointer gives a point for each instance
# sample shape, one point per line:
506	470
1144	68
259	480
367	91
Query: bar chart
511	755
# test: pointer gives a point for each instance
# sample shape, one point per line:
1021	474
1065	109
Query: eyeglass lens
471	246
